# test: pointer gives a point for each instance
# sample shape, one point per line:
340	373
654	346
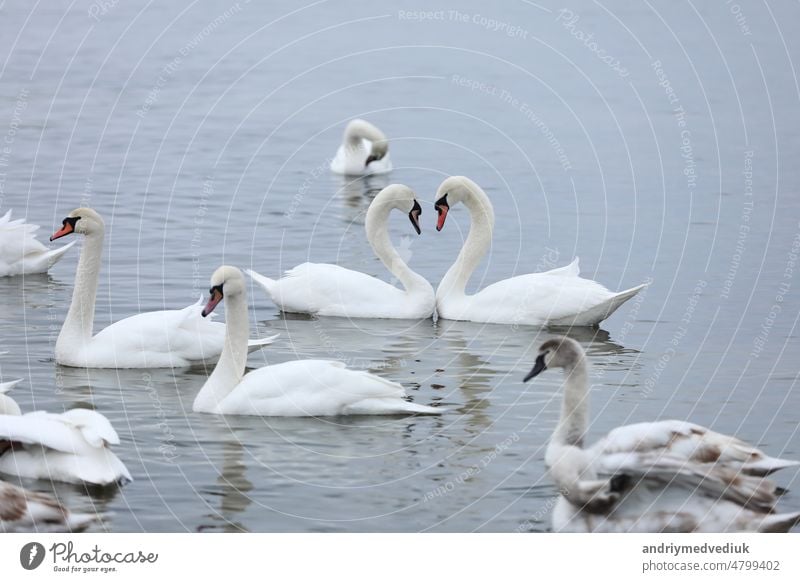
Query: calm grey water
664	147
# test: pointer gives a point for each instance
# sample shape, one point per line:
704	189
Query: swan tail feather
53	256
601	311
389	406
257	344
7	386
767	465
265	282
79	521
779	523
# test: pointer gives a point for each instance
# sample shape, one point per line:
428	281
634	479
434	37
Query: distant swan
556	297
21	253
664	476
31	511
157	339
364	151
73	446
298	388
323	289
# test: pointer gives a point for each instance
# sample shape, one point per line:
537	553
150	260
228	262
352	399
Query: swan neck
78	325
358	130
478	241
377	227
229	370
574	421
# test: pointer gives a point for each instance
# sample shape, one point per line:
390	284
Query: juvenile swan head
80	221
560	352
226	281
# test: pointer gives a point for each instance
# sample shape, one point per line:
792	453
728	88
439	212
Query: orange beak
67	228
213	301
442	210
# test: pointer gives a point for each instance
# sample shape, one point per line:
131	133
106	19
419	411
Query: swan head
453	190
226	281
80	221
379	150
402	198
560	352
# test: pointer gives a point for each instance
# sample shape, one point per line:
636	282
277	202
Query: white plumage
556	297
363	152
21	253
73	446
323	289
299	388
157	339
665	476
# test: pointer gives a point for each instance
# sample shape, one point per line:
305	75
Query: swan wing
325	289
44	429
21	252
536	298
691	442
170	337
315	388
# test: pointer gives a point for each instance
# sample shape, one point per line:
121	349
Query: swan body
25	510
157	339
299	388
666	476
331	290
556	297
21	253
73	446
364	151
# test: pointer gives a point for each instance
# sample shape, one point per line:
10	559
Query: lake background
657	141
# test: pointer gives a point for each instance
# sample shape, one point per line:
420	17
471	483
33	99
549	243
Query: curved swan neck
230	368
574	421
475	247
77	328
377	227
359	129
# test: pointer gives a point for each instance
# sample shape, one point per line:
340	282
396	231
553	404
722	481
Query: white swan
21	253
158	339
299	388
323	289
25	510
72	446
652	477
556	297
364	151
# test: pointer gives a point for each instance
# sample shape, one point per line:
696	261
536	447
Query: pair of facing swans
556	297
